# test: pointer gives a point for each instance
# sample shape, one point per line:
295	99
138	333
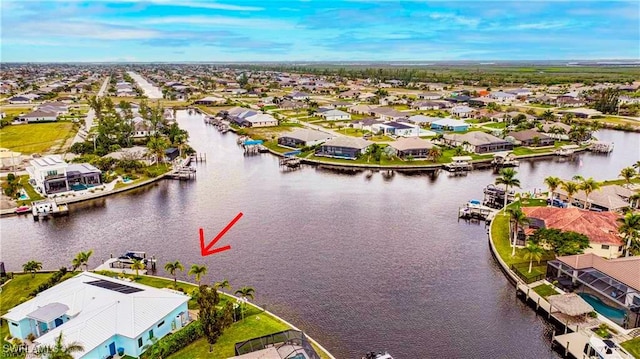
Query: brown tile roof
600	227
625	270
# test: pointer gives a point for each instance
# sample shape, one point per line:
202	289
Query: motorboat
377	355
23	210
604	349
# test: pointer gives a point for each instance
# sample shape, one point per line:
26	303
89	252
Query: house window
151	334
160	324
14	324
604	246
139	342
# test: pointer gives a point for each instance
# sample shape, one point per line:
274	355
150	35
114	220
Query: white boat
48	208
598	348
566	150
378	355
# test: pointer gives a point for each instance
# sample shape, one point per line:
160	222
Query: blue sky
332	30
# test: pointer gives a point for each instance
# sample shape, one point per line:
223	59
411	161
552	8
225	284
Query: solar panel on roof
116	287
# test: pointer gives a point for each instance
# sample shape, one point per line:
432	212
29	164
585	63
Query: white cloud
218	21
460	20
207	5
543	25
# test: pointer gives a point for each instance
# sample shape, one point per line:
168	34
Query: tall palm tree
637	166
172	267
548	115
508	179
222	285
137	265
553	183
517	220
60	350
533	252
82	259
244	293
588	186
571	188
197	271
157	145
32	267
630	230
628	173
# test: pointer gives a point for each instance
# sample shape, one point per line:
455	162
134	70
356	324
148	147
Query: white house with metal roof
101	313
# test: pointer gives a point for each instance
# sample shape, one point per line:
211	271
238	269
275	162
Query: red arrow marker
206	250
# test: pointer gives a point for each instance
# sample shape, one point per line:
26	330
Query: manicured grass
496	125
620	182
500	236
15	292
252	326
273	145
33	195
268	133
36	137
544	290
11	112
633	347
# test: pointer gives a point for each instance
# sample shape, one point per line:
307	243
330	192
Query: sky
317	30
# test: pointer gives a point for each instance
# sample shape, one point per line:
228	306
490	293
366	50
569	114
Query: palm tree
60	350
137	265
637	166
172	267
553	183
508	179
588	186
434	153
157	145
222	285
533	252
628	173
244	293
517	219
82	259
571	188
32	267
197	271
630	229
548	115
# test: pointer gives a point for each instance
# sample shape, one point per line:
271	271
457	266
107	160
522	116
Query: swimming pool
615	314
23	195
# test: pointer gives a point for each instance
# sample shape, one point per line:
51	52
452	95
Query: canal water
359	263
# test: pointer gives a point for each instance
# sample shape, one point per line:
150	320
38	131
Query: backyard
633	347
36	137
255	324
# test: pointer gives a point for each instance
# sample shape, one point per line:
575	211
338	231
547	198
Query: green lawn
544	290
633	347
496	125
10	113
15	292
33	195
500	236
36	137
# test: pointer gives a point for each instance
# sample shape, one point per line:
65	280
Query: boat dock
601	147
123	263
290	163
460	163
48	208
475	210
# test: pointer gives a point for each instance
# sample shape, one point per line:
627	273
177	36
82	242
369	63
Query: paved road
149	90
88	123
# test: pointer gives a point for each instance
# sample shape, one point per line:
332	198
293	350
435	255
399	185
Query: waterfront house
415	147
600	227
612	198
48	174
303	137
82	176
531	137
344	147
611	286
142	128
335	115
101	313
478	142
260	120
449	124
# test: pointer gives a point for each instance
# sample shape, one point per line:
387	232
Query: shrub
53	280
174	342
31	337
593	315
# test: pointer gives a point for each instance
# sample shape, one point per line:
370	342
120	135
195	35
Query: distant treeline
482	75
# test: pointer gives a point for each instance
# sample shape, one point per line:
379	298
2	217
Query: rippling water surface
360	264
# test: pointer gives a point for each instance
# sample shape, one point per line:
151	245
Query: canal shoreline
315	342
